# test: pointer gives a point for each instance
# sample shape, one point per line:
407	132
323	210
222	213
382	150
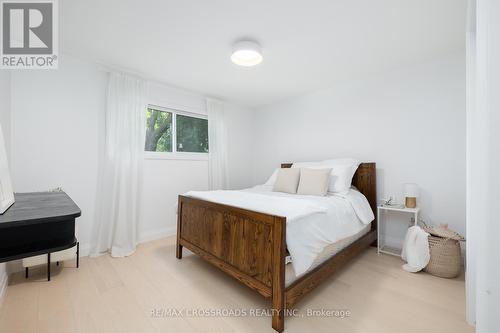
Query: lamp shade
246	53
411	190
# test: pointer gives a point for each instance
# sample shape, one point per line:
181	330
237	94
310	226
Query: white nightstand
381	248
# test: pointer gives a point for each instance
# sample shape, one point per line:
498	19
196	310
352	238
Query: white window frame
174	154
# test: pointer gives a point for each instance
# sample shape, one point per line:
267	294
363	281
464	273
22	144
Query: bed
251	245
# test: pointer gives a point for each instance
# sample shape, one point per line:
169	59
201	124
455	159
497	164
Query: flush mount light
246	53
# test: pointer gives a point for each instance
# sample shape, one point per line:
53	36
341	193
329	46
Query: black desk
38	223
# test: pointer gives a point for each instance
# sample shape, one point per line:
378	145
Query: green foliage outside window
158	131
191	136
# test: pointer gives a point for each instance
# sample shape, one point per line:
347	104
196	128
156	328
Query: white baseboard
397	243
393	242
152	235
84	250
144	237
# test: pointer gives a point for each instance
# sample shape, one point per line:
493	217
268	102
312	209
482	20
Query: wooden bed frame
251	247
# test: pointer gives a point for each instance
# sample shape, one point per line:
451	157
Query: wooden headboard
365	180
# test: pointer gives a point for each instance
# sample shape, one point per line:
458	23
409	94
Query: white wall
5	123
58	127
165	179
5	117
241	137
410	122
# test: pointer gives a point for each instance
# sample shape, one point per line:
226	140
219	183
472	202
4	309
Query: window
172	131
158	131
192	134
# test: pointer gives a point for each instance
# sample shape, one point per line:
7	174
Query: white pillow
341	178
287	180
300	165
272	179
314	181
343	170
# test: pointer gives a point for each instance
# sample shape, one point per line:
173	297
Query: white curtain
217	146
117	205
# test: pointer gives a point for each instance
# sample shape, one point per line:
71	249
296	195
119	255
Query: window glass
192	134
158	131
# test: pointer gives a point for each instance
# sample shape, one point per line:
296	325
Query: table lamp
411	193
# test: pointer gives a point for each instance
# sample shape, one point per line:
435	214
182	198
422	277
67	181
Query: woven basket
446	257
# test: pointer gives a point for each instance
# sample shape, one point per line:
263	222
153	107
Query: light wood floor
120	295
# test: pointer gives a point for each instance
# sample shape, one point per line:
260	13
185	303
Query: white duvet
313	222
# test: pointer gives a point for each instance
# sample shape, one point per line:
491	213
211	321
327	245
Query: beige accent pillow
287	180
314	181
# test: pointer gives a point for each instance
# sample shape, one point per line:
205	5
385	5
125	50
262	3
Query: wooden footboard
247	245
250	246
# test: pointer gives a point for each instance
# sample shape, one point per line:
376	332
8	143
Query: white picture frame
6	192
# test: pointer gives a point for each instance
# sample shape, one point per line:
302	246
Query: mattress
312	222
328	252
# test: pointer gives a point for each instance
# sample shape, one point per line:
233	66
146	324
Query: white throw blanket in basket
415	250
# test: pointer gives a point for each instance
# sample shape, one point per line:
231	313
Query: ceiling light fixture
246	53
